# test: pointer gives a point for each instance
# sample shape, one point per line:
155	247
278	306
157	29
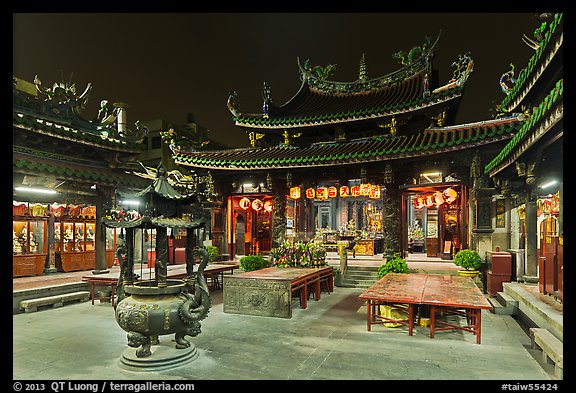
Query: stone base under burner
164	356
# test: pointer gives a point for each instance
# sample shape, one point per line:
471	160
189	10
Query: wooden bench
552	349
31	305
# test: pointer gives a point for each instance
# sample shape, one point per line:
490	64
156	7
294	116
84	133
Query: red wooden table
445	294
397	291
455	295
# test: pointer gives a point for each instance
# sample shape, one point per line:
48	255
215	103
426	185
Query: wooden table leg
478	323
410	319
92	292
113	287
304	296
369	314
317	290
432	320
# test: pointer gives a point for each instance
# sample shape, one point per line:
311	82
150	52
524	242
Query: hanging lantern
355	191
322	193
450	195
365	189
244	203
257	204
310	193
375	192
428	200
268	205
418	202
344	191
332	192
438	198
295	192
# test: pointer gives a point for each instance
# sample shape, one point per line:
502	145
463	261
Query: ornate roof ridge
316	77
528	75
481	123
538	123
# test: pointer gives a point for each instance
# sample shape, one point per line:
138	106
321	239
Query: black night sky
170	64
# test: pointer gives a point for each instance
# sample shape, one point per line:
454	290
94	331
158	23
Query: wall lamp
36	190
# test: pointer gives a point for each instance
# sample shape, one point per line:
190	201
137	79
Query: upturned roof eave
373	115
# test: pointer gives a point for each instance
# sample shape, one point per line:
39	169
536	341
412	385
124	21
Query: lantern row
322	193
256	204
438	198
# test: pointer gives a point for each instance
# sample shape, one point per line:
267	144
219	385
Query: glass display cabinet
28	247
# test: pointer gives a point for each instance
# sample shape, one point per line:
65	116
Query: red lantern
438	198
375	192
344	191
268	205
322	193
428	201
257	204
365	189
450	195
310	193
244	203
418	202
355	191
295	192
332	192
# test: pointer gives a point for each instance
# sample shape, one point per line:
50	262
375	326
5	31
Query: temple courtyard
326	341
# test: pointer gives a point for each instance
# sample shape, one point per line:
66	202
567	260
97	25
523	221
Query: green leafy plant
249	263
298	254
213	253
468	259
394	265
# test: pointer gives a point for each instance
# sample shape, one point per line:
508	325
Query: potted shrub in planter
249	263
394	265
470	261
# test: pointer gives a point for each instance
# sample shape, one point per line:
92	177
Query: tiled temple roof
44	166
60	130
311	108
430	141
544	116
321	102
551	44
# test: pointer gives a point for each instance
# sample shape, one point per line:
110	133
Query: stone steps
504	304
533	311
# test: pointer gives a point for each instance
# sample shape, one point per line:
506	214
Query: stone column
531	246
392	220
482	228
100	235
279	210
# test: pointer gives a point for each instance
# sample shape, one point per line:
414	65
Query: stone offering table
269	292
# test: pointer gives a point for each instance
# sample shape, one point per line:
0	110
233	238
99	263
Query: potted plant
394	265
249	263
470	261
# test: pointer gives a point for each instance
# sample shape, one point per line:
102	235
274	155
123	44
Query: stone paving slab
326	341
